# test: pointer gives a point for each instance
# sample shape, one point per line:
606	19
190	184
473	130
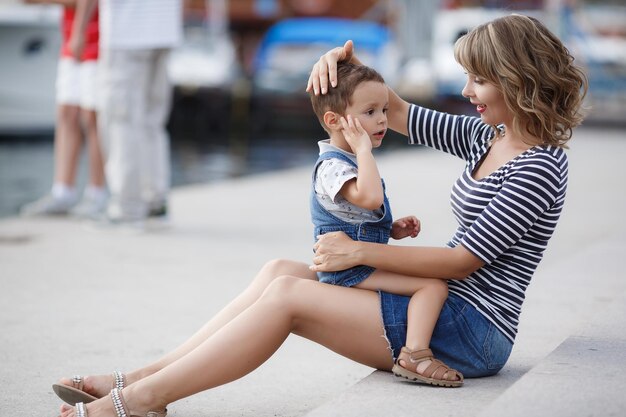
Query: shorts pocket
497	348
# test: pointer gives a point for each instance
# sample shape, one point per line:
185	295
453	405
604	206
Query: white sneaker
90	207
48	205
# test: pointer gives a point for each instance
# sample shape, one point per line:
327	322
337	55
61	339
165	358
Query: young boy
348	195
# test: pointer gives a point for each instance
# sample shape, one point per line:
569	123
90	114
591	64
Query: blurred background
239	77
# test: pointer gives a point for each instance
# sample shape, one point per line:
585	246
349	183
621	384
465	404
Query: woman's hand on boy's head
405	227
355	135
325	68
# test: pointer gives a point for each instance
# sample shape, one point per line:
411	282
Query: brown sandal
437	373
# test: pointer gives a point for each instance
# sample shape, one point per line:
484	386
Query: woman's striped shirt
505	219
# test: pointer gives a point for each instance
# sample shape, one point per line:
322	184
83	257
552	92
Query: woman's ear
332	120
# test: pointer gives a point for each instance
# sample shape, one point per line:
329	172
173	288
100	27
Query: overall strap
329	155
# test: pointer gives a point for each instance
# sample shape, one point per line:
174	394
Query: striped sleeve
445	132
532	188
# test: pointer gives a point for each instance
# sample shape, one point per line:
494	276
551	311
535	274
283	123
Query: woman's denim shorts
463	338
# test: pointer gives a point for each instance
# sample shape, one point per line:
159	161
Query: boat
29	47
289	49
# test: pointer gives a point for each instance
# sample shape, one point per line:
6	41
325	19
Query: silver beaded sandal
81	411
75	393
122	411
119	405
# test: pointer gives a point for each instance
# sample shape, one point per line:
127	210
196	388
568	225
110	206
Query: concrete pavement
75	300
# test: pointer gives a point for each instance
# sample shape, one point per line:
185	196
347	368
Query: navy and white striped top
505	219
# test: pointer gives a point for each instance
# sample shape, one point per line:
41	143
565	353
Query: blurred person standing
76	96
136	38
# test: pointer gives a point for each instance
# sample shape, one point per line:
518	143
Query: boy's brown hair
337	99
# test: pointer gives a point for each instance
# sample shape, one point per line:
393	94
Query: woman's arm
535	186
398	113
325	70
336	251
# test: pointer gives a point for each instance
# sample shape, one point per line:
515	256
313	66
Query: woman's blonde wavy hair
534	71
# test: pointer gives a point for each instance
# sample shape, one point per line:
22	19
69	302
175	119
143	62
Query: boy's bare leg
319	312
100	385
427	298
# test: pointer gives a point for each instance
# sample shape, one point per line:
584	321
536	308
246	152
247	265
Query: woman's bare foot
101	407
96	385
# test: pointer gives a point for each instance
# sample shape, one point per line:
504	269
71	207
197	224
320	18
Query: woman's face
489	101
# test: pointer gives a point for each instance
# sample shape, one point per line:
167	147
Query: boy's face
370	101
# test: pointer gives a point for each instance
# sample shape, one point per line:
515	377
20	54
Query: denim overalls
366	231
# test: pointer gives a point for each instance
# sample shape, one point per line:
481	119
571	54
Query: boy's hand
355	135
405	227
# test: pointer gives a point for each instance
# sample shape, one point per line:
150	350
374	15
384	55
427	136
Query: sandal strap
438	370
119	380
78	382
417	356
118	403
81	411
122	411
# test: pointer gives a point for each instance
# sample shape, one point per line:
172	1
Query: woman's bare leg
268	273
322	313
100	385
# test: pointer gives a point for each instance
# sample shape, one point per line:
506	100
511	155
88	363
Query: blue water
26	164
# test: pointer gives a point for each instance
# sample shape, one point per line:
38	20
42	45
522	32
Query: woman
507	202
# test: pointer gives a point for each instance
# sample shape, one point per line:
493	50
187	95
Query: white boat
30	42
29	51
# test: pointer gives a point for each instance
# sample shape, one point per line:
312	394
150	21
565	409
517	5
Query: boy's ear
332	120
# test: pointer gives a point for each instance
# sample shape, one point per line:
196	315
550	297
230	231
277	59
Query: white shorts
77	83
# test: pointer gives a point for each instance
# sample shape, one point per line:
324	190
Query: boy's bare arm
366	189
